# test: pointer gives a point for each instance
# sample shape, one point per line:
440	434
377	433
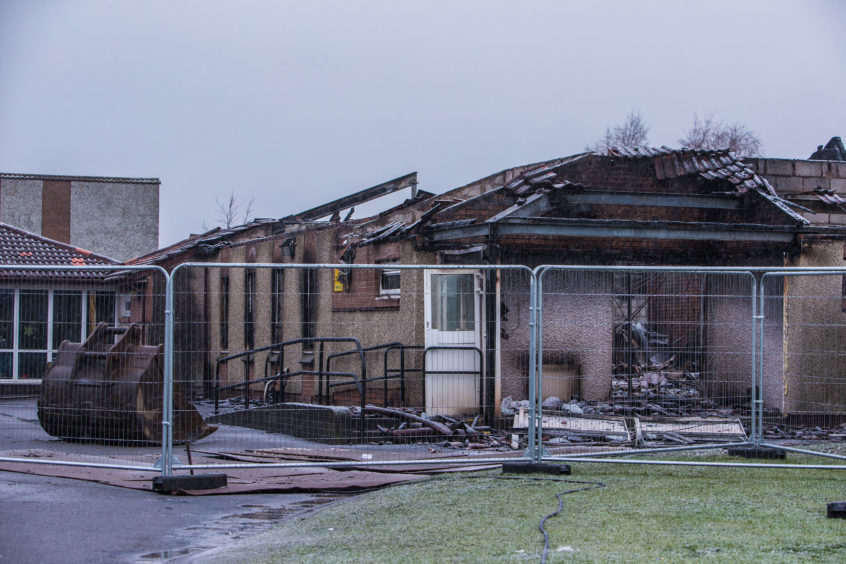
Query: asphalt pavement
46	519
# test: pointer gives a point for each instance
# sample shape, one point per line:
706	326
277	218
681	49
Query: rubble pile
446	431
802	433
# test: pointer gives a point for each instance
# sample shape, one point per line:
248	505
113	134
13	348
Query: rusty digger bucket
107	390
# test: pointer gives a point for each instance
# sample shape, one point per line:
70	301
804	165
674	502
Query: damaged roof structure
646	206
657	198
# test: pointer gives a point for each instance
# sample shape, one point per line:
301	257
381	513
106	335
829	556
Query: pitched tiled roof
19	247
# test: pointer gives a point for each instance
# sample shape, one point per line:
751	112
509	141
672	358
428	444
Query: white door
453	341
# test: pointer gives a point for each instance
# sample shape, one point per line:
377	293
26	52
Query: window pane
390	282
32	328
104	307
453	302
7	318
5	366
67	317
32	365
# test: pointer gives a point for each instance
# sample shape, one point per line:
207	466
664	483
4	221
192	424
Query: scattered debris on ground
446	431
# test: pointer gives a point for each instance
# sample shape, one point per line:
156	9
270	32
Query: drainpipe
491	282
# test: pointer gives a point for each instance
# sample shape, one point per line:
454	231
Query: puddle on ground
235	526
267	515
168	554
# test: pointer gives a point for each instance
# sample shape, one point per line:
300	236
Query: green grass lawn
644	514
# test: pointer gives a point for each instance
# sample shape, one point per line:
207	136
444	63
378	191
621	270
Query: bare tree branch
229	212
710	133
630	134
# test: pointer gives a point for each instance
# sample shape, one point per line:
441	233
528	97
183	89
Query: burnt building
628	208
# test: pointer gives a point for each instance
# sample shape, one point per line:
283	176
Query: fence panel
650	358
81	365
803	378
352	364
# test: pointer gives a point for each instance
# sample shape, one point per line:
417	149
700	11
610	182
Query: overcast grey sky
298	103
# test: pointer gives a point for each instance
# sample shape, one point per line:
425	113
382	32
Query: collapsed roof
581	201
644	193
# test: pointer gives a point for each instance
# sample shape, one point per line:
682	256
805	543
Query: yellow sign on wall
339	284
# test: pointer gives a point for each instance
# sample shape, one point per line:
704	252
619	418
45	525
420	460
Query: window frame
49	351
390	292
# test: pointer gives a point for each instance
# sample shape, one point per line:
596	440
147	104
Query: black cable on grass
560	496
590	486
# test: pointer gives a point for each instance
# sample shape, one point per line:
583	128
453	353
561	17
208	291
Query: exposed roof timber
645	199
535	206
365	195
781	204
622	229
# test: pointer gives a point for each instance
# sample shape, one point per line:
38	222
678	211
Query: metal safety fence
253	364
802	349
351	364
81	365
662	360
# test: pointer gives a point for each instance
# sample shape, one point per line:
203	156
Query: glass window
32	315
389	283
5	365
104	307
67	317
7	319
453	302
32	365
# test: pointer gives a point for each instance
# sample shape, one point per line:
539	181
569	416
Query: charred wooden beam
365	195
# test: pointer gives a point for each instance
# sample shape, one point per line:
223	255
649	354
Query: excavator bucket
107	390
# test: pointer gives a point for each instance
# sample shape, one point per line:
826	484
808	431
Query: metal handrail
386	375
283	376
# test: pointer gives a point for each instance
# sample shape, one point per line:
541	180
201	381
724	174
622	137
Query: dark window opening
249	309
308	285
224	312
101	308
276	304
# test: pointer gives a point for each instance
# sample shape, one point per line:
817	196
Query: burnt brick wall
362	288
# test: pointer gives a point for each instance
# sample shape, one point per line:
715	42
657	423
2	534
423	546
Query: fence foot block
836	509
170	484
757	452
535	468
